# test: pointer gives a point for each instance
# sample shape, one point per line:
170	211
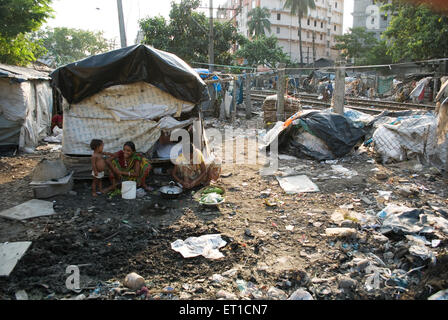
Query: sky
102	15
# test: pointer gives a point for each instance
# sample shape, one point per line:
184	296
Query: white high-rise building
325	22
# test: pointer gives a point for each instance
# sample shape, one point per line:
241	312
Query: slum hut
26	103
137	93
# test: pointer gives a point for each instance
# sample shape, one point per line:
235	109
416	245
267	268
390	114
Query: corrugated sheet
22	73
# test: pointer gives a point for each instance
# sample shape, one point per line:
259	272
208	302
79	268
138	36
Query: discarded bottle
301	294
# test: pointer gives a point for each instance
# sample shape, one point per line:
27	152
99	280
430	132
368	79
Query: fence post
248	98
281	93
235	98
339	91
222	107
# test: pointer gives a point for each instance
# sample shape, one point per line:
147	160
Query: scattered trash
30	209
423	253
441	295
385	194
276	294
248	233
286	157
10	254
21	295
435	243
346	173
141	193
297	184
224	295
340	232
207	246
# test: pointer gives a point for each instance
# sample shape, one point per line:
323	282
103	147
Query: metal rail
364	105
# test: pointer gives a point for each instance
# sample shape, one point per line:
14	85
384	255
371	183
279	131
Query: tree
17	19
299	8
362	46
66	45
416	33
263	51
259	21
186	34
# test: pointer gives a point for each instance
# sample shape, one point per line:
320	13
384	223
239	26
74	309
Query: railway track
363	105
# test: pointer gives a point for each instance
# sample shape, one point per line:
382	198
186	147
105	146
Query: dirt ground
271	251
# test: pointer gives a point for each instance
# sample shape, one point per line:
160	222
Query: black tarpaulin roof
84	78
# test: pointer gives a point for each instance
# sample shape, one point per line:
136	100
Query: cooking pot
171	191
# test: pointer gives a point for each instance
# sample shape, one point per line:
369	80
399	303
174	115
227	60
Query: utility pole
121	23
211	49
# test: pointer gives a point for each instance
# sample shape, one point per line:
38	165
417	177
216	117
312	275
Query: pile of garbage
394	136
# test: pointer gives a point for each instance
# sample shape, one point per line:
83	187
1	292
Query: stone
380	238
381	176
362	264
222	294
346	282
407	191
185	296
388	255
134	281
348	224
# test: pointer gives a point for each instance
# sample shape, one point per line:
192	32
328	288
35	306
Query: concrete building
367	14
325	22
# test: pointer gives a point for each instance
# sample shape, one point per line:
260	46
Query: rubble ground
276	243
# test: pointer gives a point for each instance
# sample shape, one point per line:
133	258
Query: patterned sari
121	164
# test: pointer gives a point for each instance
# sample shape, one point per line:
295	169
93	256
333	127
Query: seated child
98	165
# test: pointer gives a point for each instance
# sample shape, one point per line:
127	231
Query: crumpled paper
207	246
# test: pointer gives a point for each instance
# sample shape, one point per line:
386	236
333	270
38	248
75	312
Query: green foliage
363	47
263	51
17	19
66	45
417	33
20	50
299	7
187	34
259	21
22	16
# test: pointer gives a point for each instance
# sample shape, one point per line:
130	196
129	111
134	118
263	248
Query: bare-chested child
98	165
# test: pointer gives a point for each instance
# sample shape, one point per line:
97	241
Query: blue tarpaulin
204	74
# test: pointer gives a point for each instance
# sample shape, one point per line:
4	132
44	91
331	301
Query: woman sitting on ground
191	171
128	165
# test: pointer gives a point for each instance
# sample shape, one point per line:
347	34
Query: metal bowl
171	191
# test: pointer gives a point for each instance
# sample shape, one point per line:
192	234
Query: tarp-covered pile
319	135
410	137
130	94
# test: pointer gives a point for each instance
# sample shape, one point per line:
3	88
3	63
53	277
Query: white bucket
128	190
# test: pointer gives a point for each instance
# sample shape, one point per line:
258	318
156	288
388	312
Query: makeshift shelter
26	103
130	94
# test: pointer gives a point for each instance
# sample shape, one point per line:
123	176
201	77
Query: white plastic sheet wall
29	104
133	112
